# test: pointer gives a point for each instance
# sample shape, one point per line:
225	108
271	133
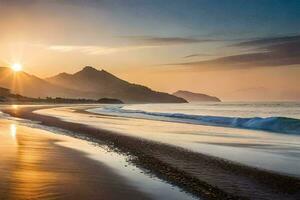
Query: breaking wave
272	124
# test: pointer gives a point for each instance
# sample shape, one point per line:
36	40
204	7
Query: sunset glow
175	99
249	54
17	67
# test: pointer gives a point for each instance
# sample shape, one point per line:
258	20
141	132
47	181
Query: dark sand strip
202	175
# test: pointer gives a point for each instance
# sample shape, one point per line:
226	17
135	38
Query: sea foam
272	124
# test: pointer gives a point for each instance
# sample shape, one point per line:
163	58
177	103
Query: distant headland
195	97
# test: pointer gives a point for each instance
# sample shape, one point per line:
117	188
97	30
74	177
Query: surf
277	124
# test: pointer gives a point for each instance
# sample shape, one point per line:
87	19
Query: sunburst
16	67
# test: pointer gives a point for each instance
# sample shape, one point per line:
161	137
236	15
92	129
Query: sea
264	135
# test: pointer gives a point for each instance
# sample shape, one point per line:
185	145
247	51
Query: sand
33	166
204	176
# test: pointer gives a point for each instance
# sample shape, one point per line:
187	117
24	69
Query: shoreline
215	178
29	168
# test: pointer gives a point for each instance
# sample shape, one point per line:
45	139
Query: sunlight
15	106
13	131
16	67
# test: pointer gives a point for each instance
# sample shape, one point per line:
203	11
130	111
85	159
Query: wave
272	124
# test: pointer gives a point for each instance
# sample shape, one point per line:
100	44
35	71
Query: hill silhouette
101	84
195	97
88	83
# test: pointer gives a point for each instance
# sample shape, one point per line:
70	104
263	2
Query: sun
16	67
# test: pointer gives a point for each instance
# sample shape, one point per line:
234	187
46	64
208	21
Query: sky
233	49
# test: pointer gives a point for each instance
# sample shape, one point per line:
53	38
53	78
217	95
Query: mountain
88	83
195	97
31	86
102	84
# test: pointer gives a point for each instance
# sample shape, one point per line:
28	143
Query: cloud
165	41
269	52
269	41
197	55
93	50
135	43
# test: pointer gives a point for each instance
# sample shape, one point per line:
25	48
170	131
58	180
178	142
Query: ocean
274	117
210	142
262	135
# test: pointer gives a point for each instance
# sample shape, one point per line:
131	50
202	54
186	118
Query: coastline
30	170
211	178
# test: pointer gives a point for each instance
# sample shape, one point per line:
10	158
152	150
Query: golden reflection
32	176
15	107
13	131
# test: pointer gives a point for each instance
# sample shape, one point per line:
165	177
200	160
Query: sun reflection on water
15	106
13	131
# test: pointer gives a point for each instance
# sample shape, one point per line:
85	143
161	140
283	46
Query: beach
41	163
204	176
150	99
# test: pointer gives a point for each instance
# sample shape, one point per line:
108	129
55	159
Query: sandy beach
40	164
33	166
201	175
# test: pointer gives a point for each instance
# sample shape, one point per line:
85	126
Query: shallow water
267	150
226	109
273	117
36	162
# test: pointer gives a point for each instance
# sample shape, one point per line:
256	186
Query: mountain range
88	83
195	97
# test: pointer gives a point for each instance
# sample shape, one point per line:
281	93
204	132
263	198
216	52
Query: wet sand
202	175
34	166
